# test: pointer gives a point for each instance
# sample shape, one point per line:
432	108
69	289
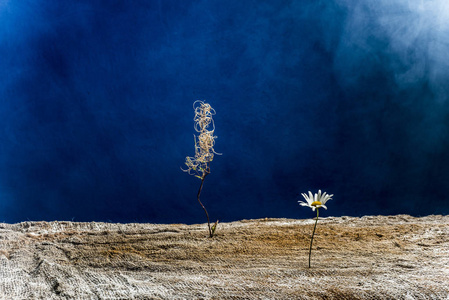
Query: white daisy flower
315	201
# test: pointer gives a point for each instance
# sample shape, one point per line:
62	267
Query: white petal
310	200
324	206
328	197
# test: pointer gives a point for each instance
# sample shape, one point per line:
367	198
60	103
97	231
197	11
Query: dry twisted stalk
199	165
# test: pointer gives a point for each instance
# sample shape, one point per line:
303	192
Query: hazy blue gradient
347	96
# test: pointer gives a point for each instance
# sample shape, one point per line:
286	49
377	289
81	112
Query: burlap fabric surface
375	257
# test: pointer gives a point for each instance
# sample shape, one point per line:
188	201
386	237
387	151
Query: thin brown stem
311	240
198	196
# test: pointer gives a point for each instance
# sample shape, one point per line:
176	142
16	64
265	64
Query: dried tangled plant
199	165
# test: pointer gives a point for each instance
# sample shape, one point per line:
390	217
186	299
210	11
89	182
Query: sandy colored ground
373	257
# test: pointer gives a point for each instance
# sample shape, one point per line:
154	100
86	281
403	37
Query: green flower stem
311	241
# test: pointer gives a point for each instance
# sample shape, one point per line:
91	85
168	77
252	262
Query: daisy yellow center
316	203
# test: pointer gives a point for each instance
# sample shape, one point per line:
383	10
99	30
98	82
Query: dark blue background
346	96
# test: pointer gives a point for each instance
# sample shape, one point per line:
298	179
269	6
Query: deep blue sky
347	96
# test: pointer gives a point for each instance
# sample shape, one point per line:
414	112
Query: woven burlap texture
372	257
